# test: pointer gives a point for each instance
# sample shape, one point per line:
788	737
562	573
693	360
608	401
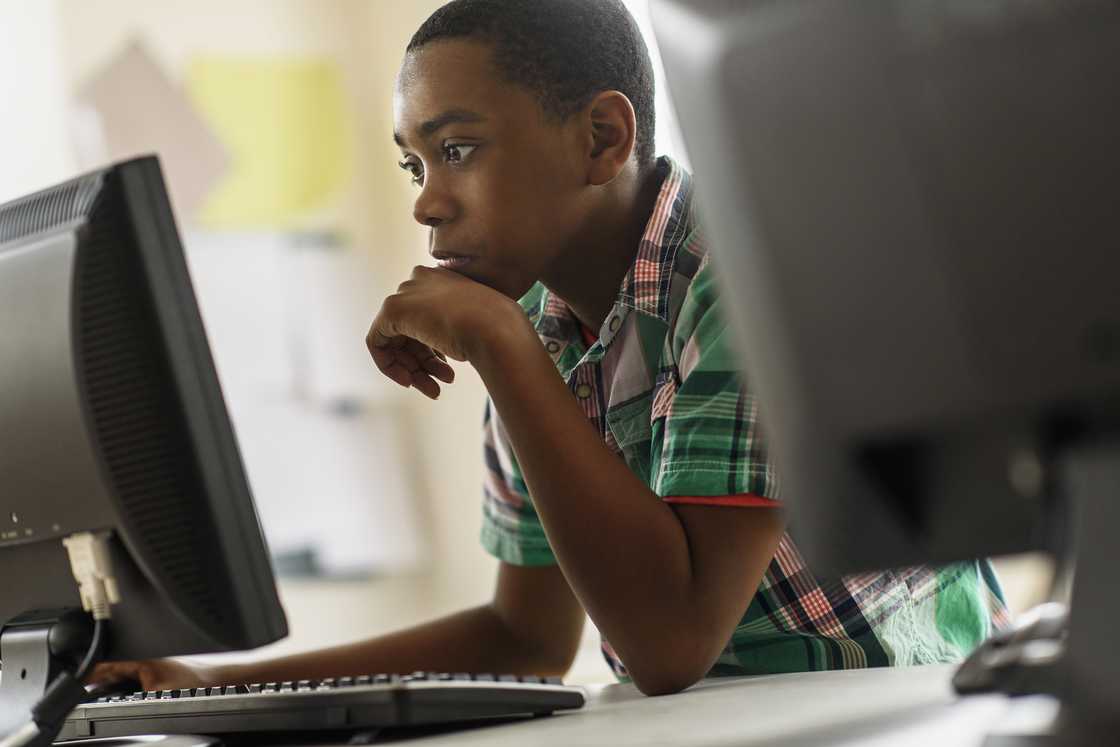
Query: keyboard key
271	687
507	678
484	677
345	681
229	690
365	679
327	683
531	679
255	687
381	679
303	685
287	687
553	681
165	695
186	692
216	690
461	677
151	695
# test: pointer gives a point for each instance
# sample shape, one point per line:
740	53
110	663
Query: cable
96	646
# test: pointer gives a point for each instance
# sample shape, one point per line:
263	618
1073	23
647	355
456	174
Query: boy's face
501	187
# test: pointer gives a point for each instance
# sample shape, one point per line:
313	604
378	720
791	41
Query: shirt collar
645	287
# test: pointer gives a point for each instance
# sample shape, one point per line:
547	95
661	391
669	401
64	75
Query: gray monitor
914	205
113	426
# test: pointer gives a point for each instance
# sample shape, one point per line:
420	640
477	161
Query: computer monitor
114	430
914	204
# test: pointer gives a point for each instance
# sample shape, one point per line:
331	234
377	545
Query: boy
627	473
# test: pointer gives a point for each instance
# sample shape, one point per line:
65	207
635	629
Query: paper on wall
140	110
288	125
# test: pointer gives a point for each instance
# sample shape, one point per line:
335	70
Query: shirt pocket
630	425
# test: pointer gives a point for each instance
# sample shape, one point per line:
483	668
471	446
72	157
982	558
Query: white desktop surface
896	707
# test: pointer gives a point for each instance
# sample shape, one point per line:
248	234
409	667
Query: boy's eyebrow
432	126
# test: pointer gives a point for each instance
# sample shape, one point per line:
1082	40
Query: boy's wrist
224	674
501	340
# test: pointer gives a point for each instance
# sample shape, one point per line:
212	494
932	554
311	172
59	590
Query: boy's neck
600	256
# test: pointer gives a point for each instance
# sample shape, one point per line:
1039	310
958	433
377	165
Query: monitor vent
139	423
50	208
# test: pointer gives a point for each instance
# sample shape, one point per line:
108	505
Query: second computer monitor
914	205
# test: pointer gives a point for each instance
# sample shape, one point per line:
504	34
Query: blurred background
273	121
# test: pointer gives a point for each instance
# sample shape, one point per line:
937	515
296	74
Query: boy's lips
452	261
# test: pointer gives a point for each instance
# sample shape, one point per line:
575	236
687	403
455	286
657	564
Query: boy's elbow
666	683
666	675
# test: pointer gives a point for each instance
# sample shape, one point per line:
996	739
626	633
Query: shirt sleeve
511	529
706	435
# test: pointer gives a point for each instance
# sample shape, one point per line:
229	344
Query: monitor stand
35	648
1087	676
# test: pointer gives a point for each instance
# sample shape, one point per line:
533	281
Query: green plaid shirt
661	387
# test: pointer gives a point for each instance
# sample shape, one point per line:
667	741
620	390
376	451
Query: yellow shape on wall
288	127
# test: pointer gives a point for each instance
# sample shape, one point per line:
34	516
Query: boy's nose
433	206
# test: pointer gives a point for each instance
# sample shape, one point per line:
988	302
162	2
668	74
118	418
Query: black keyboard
348	703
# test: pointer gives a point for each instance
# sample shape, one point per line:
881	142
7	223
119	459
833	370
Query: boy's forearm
474	640
630	564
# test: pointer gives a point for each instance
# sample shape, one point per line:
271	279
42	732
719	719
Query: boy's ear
611	137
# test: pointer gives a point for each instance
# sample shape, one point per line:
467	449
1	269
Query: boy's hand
155	674
435	315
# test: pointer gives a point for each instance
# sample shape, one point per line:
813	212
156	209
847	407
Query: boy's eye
457	152
413	167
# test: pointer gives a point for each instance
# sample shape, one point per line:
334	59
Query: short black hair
565	51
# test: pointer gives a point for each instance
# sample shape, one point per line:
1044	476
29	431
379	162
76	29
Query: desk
880	707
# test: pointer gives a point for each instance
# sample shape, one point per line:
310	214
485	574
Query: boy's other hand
435	315
154	674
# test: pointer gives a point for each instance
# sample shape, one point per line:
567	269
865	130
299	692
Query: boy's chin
509	287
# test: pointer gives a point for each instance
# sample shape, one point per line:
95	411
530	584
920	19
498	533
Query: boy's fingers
425	384
110	672
439	369
429	360
386	362
396	363
409	362
403	369
397	373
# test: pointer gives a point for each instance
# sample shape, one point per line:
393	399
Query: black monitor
115	439
915	207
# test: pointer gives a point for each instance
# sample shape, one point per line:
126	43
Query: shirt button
552	347
583	391
616	322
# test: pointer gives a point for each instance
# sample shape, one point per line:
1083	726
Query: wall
33	144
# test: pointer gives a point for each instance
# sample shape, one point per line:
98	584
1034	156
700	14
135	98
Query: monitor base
1081	667
36	648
